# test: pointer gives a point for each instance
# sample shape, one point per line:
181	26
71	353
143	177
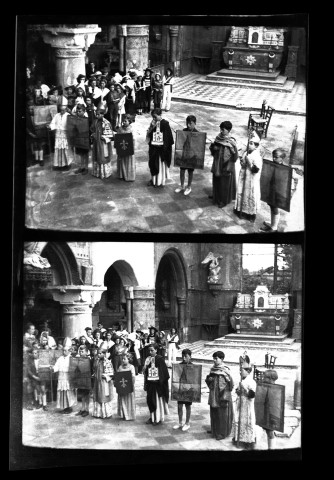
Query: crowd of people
140	352
111	103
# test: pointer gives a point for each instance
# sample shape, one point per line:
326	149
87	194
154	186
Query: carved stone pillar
143	307
291	65
216	57
70	44
173	33
136	47
181	320
122	33
129	307
224	321
35	279
297	324
76	317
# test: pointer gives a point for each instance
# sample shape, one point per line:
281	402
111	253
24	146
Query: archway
171	293
114	307
41	306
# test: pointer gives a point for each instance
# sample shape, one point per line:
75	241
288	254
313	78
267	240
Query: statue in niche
31	256
214	267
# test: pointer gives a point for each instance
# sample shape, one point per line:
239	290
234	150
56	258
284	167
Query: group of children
110	103
227	415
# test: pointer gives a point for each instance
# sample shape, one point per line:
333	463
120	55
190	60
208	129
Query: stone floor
186	88
55	430
64	201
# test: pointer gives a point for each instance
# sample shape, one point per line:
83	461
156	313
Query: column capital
181	300
75	37
173	30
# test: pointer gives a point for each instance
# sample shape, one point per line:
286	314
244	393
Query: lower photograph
162	346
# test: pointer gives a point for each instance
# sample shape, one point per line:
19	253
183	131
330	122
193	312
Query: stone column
136	47
216	55
297	324
129	306
70	44
181	320
122	33
224	321
76	317
291	65
143	307
173	33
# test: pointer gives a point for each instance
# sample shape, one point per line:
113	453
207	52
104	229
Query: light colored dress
172	340
246	413
61	157
126	166
66	397
248	198
126	404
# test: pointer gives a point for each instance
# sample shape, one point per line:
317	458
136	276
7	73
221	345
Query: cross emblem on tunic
124	145
123	382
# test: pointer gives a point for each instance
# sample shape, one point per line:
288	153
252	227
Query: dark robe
159	387
220	384
225	154
164	152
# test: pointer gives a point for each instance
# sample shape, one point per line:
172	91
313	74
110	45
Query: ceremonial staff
244	181
243	358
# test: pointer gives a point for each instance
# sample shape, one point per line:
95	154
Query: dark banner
189	149
269	406
276	184
124	144
78	131
123	382
80	372
186	382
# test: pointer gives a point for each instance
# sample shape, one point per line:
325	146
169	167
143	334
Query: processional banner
269	406
47	358
124	144
186	382
80	372
43	115
276	184
77	127
189	149
123	382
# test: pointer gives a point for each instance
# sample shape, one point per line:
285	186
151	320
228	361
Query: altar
252	50
261	315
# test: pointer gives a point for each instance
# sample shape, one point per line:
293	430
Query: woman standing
139	88
248	199
103	385
156	385
225	154
162	342
126	404
160	140
172	342
126	166
168	82
157	90
101	148
220	384
244	411
147	82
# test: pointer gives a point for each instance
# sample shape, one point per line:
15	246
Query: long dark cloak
160	386
164	152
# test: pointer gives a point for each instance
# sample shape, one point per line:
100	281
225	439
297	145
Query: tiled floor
186	89
64	201
56	430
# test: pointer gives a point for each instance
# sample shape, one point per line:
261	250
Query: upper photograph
165	128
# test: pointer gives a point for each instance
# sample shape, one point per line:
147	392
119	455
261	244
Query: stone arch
125	272
171	292
63	261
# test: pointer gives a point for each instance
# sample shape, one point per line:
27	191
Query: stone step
287	87
278	80
250	73
202	351
259	339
